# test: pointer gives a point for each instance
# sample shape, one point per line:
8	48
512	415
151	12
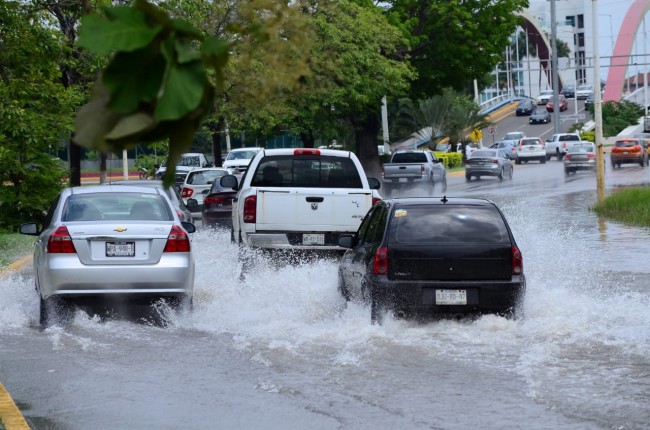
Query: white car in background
239	159
583	91
544	97
530	149
197	185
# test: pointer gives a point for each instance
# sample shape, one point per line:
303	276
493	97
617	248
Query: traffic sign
476	135
572	117
492	130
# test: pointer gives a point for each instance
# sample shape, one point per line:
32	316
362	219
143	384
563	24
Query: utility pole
598	109
556	84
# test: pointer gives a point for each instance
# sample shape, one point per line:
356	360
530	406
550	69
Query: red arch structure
623	49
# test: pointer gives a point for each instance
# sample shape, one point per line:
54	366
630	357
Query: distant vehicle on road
581	156
568	91
563	104
589	101
583	91
559	144
629	151
544	97
196	186
531	148
172	192
525	107
413	167
541	116
239	159
488	162
469	263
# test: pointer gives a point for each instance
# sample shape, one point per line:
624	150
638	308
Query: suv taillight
250	209
517	261
187	193
380	262
177	241
212	200
375	200
60	242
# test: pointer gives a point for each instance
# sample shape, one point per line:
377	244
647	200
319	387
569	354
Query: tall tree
35	113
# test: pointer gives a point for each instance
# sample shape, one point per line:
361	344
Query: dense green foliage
629	206
35	114
617	116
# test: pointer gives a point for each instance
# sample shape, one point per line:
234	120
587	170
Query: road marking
16	265
10	415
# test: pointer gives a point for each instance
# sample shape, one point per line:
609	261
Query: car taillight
591	155
382	169
517	261
375	200
306	151
250	209
380	262
211	200
187	193
563	144
422	169
60	242
177	241
567	156
495	161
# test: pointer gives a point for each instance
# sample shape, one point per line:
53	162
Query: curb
16	265
10	416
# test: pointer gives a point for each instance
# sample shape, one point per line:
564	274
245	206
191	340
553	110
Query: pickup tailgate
309	209
402	170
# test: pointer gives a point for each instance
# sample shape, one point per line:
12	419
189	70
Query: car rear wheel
444	184
377	312
501	175
548	157
468	178
641	162
518	161
343	289
54	310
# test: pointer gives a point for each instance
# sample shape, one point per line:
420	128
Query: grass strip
629	206
14	246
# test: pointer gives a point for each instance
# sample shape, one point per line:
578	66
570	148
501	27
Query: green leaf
128	31
134	78
131	126
215	51
94	120
185	53
182	91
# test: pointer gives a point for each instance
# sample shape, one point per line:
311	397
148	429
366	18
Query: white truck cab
300	199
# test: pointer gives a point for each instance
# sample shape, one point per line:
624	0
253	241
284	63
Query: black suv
418	257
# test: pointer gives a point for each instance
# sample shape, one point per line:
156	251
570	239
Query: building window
571	20
581	21
581	40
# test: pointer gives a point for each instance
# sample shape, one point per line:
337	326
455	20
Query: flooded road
282	350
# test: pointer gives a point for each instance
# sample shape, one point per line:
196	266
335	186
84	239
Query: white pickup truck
411	167
300	199
558	145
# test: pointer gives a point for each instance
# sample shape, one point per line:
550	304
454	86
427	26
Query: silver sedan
489	162
110	242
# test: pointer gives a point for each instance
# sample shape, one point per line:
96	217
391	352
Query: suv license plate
313	239
451	297
120	249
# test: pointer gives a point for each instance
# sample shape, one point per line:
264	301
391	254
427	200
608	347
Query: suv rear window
569	137
448	225
529	142
625	143
306	171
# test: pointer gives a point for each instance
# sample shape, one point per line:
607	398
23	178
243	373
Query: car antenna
444	199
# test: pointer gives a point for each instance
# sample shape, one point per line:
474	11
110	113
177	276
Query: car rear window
483	154
625	143
448	225
306	171
116	206
530	142
204	177
569	137
409	157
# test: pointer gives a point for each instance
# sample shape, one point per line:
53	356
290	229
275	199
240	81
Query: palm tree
464	117
427	117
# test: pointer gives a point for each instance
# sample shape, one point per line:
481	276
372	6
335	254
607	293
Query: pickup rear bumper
295	241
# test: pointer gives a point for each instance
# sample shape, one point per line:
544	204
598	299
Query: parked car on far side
110	242
419	257
627	151
530	149
540	116
581	156
488	162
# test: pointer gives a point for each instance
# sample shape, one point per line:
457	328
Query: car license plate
451	297
313	239
120	249
403	179
481	163
625	152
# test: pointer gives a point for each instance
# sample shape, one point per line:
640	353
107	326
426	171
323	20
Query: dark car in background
589	101
540	117
568	91
217	205
525	107
419	257
562	104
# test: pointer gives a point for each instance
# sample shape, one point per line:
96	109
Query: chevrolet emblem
120	229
